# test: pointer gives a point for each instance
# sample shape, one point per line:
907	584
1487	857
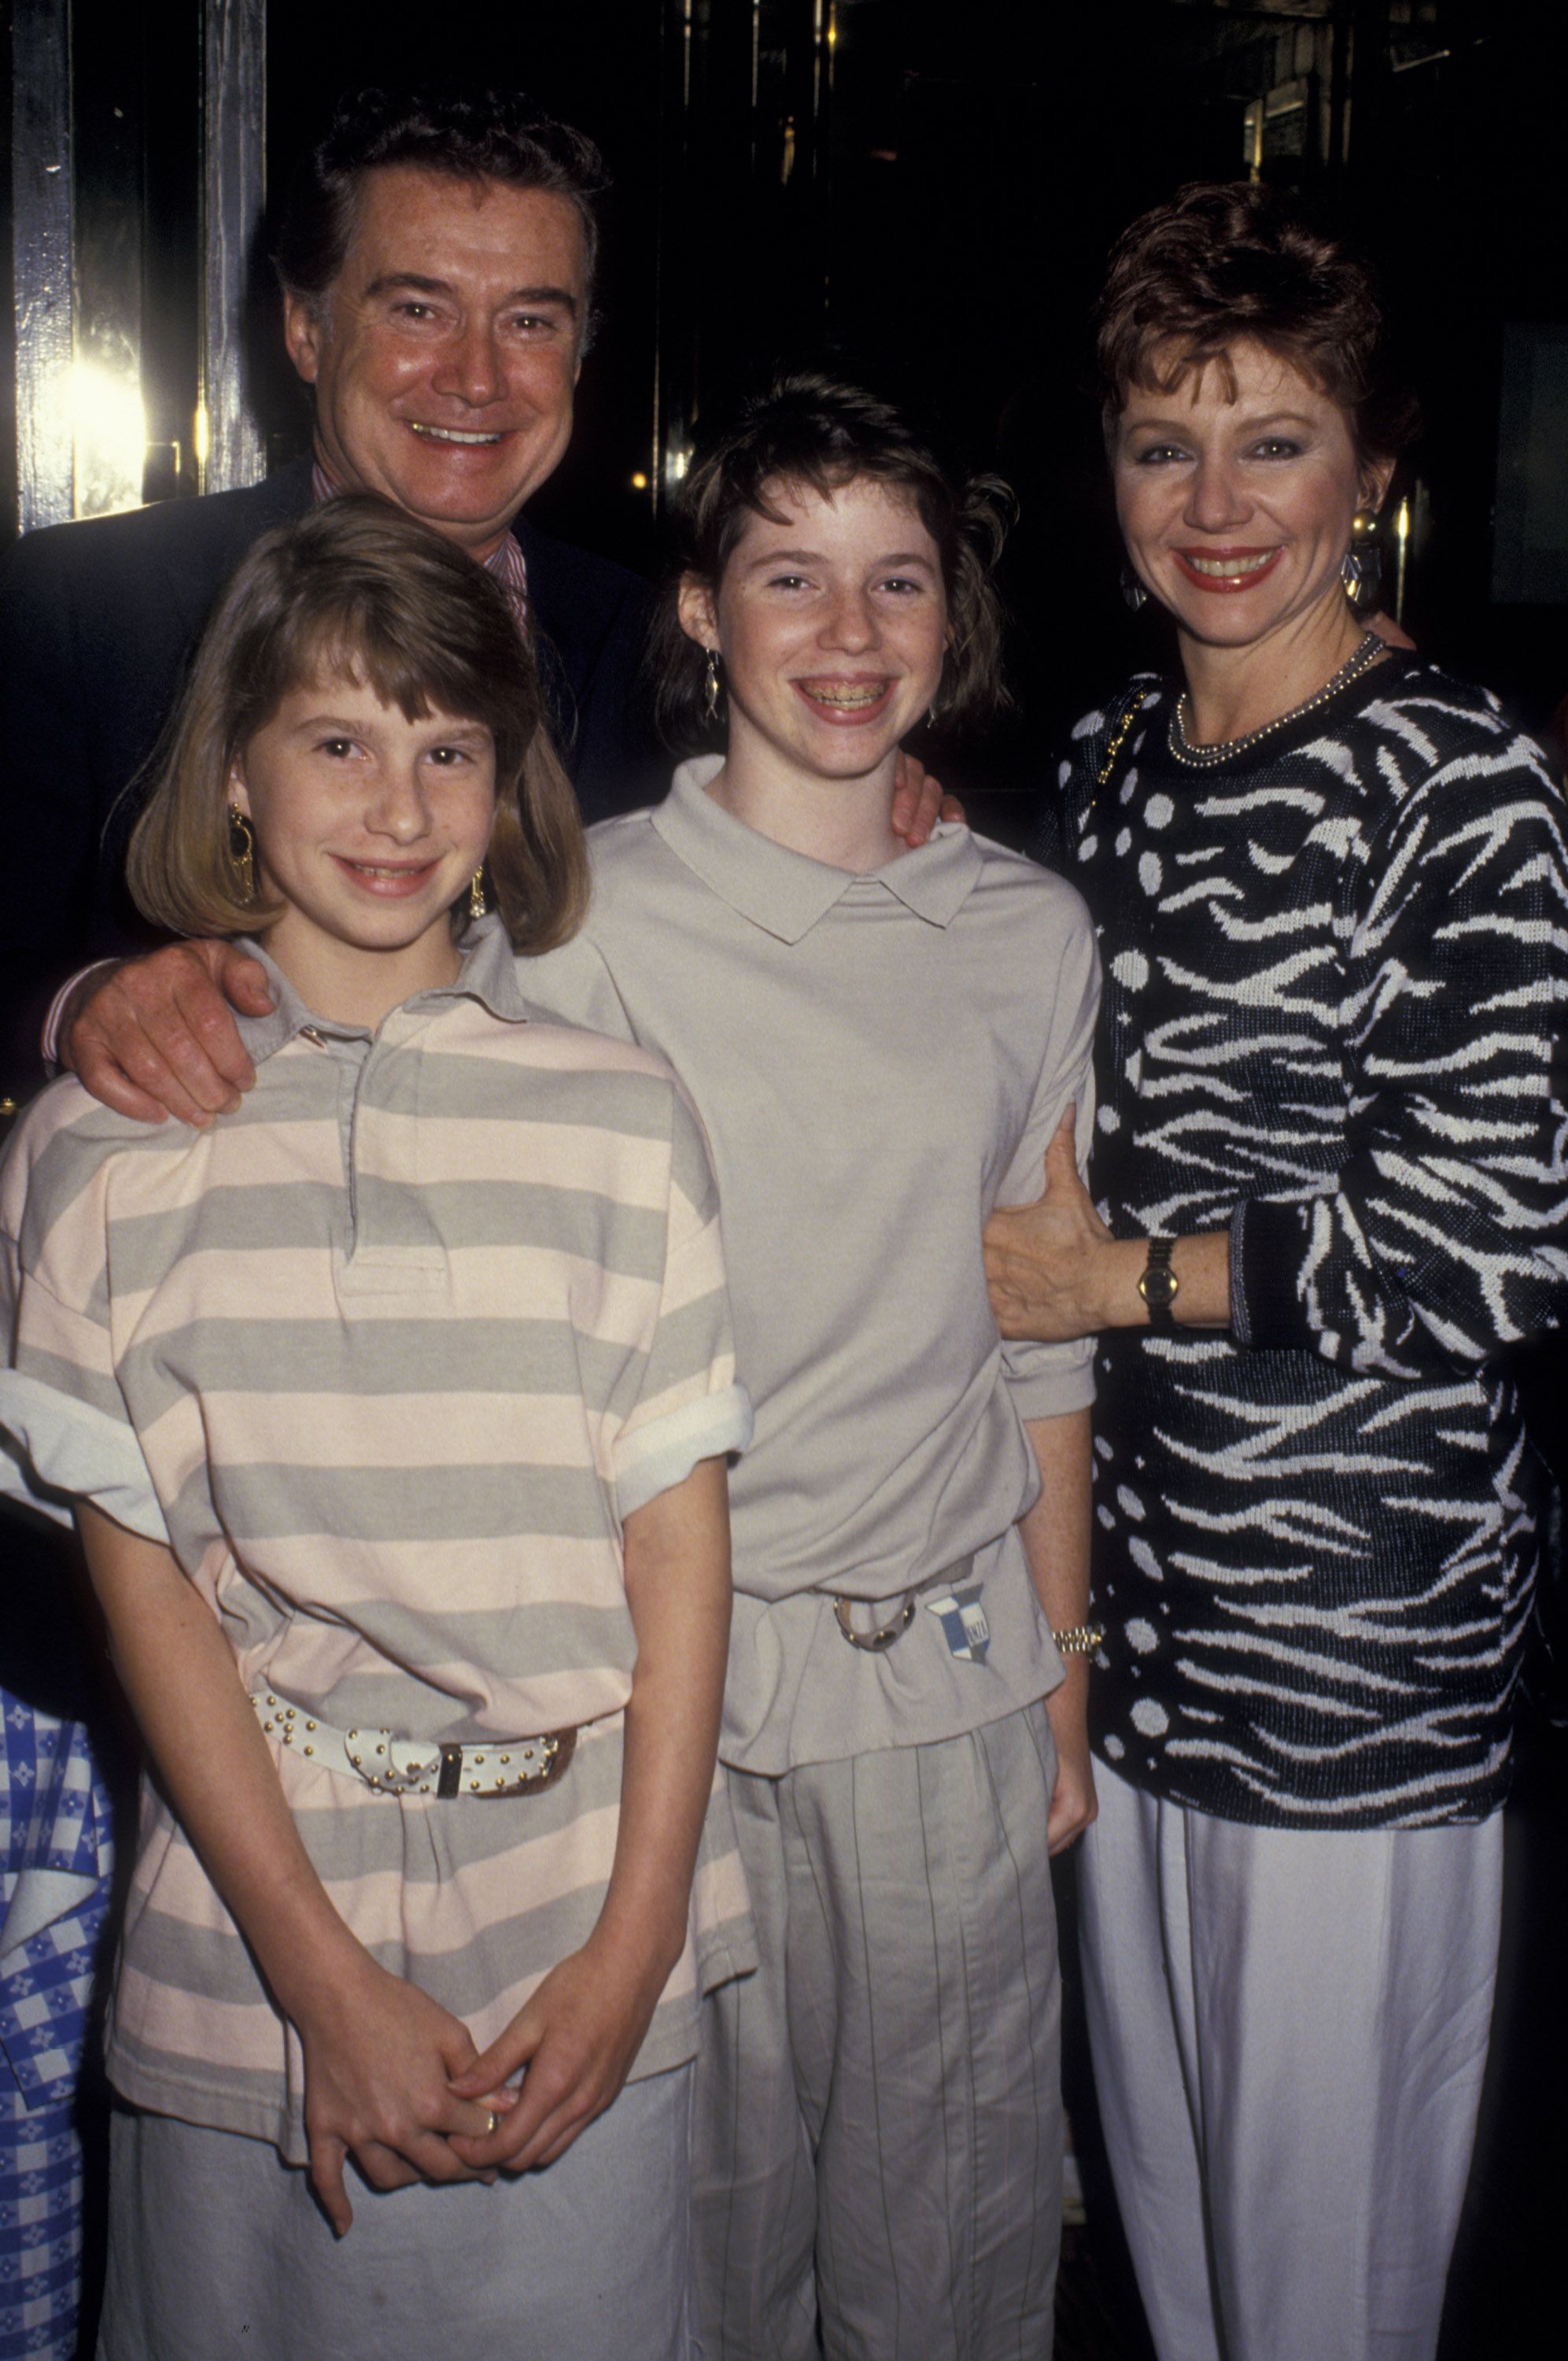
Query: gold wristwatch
1159	1285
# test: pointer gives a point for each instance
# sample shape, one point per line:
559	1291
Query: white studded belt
418	1766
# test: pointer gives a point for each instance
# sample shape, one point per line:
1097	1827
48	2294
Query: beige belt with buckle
419	1766
883	1635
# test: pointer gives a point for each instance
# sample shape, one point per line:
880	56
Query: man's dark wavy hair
810	432
468	135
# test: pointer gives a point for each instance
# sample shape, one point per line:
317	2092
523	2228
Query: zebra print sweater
1335	978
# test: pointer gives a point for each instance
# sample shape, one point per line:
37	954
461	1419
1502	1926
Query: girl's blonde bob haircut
358	589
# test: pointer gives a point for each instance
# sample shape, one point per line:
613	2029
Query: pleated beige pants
878	2119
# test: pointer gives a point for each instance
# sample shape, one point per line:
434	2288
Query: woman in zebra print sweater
1333	896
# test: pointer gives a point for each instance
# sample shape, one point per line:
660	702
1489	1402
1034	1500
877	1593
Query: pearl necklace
1205	758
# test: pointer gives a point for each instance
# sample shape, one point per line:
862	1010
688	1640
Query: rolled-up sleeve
65	1430
690	1405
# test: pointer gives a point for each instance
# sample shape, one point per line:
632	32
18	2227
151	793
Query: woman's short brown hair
357	587
1228	259
808	432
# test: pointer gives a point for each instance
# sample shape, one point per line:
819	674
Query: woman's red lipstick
1254	565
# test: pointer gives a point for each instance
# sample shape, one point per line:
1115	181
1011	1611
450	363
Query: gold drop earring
476	902
1362	567
242	851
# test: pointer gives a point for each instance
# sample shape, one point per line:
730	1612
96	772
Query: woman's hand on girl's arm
580	2031
1053	1267
1056	1272
379	2055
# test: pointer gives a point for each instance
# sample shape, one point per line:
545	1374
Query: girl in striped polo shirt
393	1406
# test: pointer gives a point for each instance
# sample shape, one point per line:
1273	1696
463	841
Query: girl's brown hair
1228	259
357	587
808	432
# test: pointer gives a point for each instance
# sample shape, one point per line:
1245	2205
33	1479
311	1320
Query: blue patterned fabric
56	1846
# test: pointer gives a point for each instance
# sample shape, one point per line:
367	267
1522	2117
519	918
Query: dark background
921	192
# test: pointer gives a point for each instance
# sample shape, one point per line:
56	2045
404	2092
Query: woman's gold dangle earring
1361	568
242	853
710	691
476	902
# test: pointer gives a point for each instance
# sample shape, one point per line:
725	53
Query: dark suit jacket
96	620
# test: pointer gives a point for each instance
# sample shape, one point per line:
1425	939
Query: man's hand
1073	1804
1048	1265
577	2036
380	2059
156	1036
918	802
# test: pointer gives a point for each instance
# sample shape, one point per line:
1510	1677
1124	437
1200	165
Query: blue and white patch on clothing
964	1626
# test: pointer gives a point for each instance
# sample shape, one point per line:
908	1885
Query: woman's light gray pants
1288	2028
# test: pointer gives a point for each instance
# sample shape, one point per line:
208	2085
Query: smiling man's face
444	354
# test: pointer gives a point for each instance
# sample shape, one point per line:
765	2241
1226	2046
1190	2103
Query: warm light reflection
108	427
202	438
638	481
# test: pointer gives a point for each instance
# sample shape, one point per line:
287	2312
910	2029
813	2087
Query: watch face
1158	1287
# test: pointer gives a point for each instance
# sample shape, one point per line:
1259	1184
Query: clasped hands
394	2079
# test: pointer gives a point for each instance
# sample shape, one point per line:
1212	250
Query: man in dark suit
437	270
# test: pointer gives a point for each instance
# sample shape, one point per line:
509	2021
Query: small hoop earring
711	691
476	902
242	853
1133	590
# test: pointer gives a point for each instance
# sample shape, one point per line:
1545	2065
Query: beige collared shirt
879	1061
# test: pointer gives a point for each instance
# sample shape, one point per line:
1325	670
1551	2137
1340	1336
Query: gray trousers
216	2247
878	2123
1288	2028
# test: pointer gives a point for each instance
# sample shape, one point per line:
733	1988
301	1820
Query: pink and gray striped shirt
387	1357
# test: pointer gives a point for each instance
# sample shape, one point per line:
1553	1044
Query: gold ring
493	2126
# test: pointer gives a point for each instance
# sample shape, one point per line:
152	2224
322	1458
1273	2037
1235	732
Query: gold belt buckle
885	1634
512	1769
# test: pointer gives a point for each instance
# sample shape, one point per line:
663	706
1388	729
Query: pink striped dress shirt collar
506	561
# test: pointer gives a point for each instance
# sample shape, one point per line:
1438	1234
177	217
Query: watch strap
1160	1286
